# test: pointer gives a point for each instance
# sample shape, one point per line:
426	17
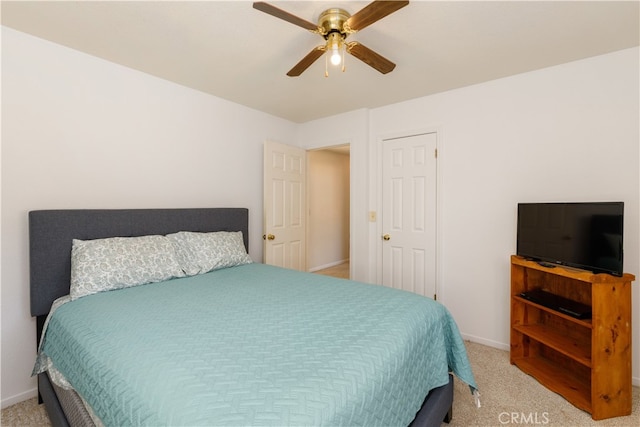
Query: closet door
409	213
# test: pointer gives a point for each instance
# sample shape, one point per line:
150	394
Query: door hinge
435	297
435	153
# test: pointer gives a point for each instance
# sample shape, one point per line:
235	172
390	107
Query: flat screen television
586	235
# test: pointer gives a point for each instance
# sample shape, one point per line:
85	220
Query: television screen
584	235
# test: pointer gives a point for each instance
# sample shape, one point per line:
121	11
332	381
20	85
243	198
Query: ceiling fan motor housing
332	21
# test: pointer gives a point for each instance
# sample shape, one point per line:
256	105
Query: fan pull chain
326	65
343	49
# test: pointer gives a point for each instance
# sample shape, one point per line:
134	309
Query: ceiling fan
335	25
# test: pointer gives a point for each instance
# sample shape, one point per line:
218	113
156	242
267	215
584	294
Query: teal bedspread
255	345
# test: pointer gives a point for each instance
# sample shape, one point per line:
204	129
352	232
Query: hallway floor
341	270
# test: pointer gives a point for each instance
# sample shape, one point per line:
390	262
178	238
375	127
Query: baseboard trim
484	341
21	397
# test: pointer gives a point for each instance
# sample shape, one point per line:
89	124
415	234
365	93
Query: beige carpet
511	397
27	413
508	397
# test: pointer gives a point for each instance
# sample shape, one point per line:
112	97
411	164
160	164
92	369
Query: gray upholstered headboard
51	233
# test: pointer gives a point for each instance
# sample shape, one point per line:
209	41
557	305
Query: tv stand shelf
587	361
580	322
574	389
579	350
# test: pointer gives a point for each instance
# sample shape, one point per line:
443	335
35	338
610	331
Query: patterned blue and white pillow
119	262
200	253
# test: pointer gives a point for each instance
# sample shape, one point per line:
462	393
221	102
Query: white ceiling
230	50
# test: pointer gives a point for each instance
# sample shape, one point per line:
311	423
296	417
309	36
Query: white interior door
409	213
284	205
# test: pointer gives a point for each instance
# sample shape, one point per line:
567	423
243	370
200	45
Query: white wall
328	222
80	132
565	133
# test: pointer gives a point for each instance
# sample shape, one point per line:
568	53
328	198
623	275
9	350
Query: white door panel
284	205
409	213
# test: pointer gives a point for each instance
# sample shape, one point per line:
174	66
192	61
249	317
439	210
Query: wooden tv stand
587	361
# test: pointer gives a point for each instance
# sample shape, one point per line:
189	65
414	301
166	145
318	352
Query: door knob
386	237
268	237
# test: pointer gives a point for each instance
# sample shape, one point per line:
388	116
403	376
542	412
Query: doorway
328	202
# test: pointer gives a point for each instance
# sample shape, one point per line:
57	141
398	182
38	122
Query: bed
243	344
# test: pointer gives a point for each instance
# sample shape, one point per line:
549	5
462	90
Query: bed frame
50	236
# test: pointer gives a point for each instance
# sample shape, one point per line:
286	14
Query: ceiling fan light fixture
335	48
335	25
336	58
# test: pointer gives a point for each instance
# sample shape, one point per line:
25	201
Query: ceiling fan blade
307	61
371	13
370	57
279	13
